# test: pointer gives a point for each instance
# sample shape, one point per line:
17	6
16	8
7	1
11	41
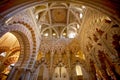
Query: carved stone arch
13	50
4	49
45	29
55	31
11	55
24	37
14	53
27	23
35	42
10	60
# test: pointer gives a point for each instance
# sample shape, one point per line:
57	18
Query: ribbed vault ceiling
59	20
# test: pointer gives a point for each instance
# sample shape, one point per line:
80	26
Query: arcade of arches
59	40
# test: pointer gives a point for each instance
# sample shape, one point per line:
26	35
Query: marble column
12	72
16	74
51	62
27	74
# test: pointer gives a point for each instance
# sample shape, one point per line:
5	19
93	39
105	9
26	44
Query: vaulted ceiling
65	29
59	19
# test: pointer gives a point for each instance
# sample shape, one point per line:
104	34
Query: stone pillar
16	74
34	73
69	64
68	55
60	55
11	73
51	62
27	75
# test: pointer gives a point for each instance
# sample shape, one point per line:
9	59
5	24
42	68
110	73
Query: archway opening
9	54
